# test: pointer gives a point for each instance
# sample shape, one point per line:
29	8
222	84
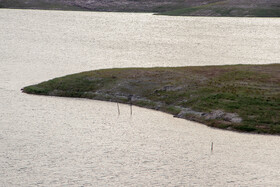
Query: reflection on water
50	141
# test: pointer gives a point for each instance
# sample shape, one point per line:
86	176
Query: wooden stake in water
118	109
212	147
130	101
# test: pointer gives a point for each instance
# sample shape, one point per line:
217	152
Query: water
50	141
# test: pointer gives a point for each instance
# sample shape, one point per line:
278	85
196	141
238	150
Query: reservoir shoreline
63	141
244	98
212	8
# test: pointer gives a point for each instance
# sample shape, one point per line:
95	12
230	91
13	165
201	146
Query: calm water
49	141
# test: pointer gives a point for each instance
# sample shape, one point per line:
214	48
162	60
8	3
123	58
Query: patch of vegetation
273	12
226	11
36	90
172	110
247	92
142	103
190	10
245	128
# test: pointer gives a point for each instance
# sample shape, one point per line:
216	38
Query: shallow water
50	141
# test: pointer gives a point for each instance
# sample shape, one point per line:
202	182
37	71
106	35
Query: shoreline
201	8
244	98
152	13
155	110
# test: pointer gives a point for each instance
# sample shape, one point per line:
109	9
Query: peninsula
235	97
232	8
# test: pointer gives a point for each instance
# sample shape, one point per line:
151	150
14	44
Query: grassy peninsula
232	8
235	97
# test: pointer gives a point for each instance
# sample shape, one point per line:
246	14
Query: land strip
238	97
232	8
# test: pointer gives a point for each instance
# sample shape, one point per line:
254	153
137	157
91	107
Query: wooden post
212	147
130	101
118	108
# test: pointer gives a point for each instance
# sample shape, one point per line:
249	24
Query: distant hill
242	8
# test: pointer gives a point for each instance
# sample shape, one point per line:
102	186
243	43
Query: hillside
253	8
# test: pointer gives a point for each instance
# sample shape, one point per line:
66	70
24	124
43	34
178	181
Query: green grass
189	10
213	10
251	92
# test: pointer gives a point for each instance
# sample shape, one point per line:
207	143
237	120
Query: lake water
50	141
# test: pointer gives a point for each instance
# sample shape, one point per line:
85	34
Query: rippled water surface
50	141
